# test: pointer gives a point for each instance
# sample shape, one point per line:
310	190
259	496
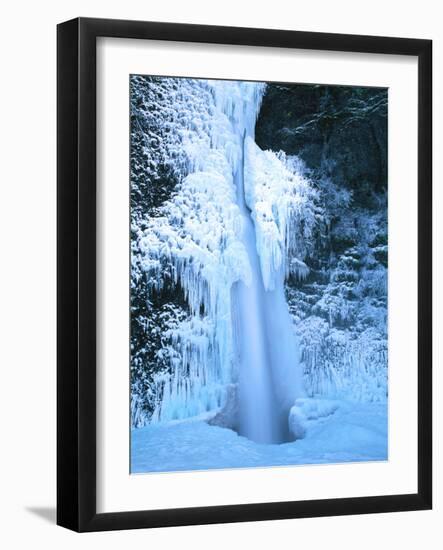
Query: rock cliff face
339	131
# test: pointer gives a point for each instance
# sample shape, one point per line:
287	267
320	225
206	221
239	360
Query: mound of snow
306	411
313	409
297	423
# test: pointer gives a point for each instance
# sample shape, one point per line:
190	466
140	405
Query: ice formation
198	232
282	202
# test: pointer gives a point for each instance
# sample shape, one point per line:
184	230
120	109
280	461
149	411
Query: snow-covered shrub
343	363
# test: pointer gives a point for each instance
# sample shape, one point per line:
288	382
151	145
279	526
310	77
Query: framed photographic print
244	274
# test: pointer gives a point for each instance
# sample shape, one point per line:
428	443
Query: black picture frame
76	268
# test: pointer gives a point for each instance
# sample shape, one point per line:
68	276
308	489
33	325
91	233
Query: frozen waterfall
269	372
257	407
232	232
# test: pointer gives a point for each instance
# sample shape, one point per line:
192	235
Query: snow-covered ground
335	432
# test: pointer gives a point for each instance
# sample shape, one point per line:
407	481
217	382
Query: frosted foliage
340	364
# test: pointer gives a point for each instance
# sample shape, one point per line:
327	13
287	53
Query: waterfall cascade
270	377
238	215
257	407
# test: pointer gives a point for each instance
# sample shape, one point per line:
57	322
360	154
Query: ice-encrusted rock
227	417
